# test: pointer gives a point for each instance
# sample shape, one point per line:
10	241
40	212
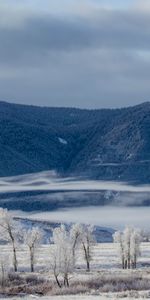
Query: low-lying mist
48	181
47	191
104	216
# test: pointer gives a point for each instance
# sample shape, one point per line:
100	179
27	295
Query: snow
61	298
130	156
62	141
105	260
77	297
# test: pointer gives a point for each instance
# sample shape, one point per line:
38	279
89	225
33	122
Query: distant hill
105	144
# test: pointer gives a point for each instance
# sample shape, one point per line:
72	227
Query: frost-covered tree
55	264
75	235
4	269
10	232
135	247
65	243
32	238
62	255
118	238
129	246
127	236
82	235
87	240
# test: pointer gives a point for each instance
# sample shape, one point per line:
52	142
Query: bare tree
82	235
4	269
10	232
118	238
55	264
32	238
129	245
135	247
75	235
87	240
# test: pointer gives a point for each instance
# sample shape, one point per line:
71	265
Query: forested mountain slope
105	144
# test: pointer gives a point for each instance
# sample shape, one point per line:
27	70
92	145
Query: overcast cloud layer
83	53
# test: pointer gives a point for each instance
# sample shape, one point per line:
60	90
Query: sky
76	53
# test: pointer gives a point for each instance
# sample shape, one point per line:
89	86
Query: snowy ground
79	297
105	257
105	261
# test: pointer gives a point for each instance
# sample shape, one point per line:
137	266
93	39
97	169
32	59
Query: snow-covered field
105	257
105	261
78	297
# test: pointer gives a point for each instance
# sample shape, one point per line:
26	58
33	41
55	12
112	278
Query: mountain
101	234
112	144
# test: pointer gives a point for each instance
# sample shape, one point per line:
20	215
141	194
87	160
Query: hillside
106	144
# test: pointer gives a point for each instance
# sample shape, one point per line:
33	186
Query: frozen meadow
105	263
79	297
104	258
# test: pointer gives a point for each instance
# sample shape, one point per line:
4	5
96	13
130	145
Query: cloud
68	55
40	36
142	6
